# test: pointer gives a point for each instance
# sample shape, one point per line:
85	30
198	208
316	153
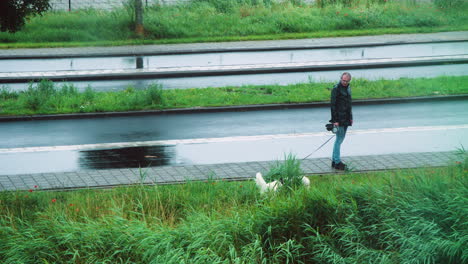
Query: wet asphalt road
224	124
378	129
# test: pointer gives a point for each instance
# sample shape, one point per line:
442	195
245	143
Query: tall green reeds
288	172
410	216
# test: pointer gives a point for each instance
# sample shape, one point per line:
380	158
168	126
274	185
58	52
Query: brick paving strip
227	171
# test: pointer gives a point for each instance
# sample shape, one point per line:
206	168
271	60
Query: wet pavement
163	127
241	149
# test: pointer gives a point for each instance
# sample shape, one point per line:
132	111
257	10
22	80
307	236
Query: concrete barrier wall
102	4
109	4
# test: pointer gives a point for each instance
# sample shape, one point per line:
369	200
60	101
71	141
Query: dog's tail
306	182
261	183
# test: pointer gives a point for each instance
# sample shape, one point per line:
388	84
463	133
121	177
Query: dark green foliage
38	94
450	3
14	12
154	94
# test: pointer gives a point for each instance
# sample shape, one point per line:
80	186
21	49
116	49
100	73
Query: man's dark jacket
341	110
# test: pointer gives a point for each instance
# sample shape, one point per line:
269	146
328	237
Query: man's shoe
340	166
333	164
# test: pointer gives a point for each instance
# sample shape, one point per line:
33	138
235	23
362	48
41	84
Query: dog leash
319	147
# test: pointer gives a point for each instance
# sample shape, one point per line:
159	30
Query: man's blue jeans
340	136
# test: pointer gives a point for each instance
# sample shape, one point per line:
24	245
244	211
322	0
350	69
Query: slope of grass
410	216
237	20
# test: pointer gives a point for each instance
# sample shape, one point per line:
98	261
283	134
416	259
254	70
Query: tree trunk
139	30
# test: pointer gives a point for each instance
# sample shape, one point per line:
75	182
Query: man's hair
346	73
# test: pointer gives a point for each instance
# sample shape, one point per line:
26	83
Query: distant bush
48	97
451	3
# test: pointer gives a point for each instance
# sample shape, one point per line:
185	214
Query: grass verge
48	98
238	20
408	216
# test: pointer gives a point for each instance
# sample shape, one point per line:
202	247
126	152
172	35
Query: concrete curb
195	110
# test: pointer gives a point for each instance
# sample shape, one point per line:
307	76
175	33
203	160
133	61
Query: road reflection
132	157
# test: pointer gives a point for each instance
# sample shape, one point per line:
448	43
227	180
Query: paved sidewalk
227	171
140	50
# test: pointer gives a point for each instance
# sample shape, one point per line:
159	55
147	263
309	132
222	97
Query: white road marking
223	139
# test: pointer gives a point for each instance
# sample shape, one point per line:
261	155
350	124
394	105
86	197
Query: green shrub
38	94
452	4
155	94
6	93
289	172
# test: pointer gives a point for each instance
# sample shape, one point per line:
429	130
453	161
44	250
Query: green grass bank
393	217
48	98
230	20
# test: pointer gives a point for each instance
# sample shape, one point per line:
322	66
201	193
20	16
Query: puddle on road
131	157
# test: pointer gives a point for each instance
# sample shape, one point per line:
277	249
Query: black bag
331	127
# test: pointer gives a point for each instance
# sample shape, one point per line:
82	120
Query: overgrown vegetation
46	97
410	216
221	20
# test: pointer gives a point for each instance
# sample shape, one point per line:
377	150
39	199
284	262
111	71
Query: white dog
306	182
273	186
264	187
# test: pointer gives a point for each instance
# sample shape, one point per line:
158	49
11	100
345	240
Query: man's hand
336	124
351	122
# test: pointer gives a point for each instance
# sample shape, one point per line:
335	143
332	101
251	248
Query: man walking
341	116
